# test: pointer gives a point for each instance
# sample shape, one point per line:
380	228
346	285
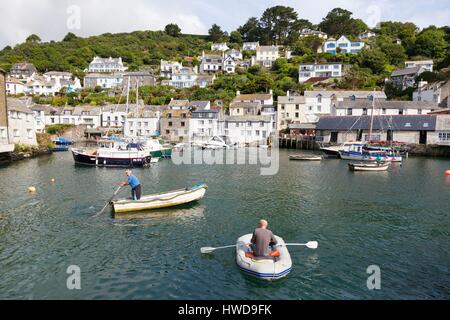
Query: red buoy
447	173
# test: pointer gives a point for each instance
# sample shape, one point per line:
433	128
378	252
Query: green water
398	220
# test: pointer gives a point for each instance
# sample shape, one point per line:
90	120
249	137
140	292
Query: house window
16	133
364	111
319	98
170	123
383	111
296	115
282	107
167	131
349	111
419	111
400	111
297	107
182	123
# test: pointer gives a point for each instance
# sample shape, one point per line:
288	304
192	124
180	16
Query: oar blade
312	244
207	249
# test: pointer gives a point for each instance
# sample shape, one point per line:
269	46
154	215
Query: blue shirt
133	182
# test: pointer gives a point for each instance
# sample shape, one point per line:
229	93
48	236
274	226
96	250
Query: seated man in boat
262	240
135	185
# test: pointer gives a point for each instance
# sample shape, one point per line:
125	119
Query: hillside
74	53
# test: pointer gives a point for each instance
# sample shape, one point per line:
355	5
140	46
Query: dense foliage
394	43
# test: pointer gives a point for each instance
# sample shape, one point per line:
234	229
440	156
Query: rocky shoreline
32	153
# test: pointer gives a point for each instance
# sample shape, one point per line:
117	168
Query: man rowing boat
134	183
262	240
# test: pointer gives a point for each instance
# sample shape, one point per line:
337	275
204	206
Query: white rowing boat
161	200
304	158
368	166
270	268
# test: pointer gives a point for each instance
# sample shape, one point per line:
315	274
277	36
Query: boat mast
126	107
371	116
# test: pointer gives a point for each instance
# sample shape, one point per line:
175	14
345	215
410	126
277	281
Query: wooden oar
109	201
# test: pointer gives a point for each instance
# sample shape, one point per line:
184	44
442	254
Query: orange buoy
447	173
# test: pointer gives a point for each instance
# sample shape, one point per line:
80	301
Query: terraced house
106	65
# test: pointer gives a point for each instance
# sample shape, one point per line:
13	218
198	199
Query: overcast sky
52	19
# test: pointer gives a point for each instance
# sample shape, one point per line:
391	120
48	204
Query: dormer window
352	97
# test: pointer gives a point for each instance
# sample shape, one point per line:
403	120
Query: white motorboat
268	268
368	166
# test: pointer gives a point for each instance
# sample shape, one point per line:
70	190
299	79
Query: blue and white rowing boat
271	268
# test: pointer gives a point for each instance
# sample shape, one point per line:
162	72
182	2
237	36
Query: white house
323	102
81	115
106	65
250	45
229	64
366	35
204	124
219	47
342	45
252	130
39	114
438	92
236	54
306	32
113	116
143	123
14	86
363	107
261	98
105	81
265	56
427	65
21	125
42	86
211	63
167	68
187	78
320	70
53	75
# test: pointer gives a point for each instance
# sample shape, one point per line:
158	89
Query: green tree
236	37
278	23
216	34
373	59
33	38
70	36
340	22
250	31
394	52
172	29
431	43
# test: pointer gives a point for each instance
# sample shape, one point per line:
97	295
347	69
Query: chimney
238	93
288	93
271	92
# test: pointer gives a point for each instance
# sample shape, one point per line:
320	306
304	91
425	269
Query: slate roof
359	94
17	105
396	122
385	104
406	71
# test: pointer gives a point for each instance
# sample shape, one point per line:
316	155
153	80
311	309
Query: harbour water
397	220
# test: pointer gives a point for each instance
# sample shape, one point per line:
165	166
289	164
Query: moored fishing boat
111	153
357	151
161	200
268	268
368	166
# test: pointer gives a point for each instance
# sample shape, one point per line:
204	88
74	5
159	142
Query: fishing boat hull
332	152
92	159
60	148
304	158
161	200
272	268
368	167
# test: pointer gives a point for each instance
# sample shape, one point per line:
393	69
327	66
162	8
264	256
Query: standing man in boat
134	183
262	240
